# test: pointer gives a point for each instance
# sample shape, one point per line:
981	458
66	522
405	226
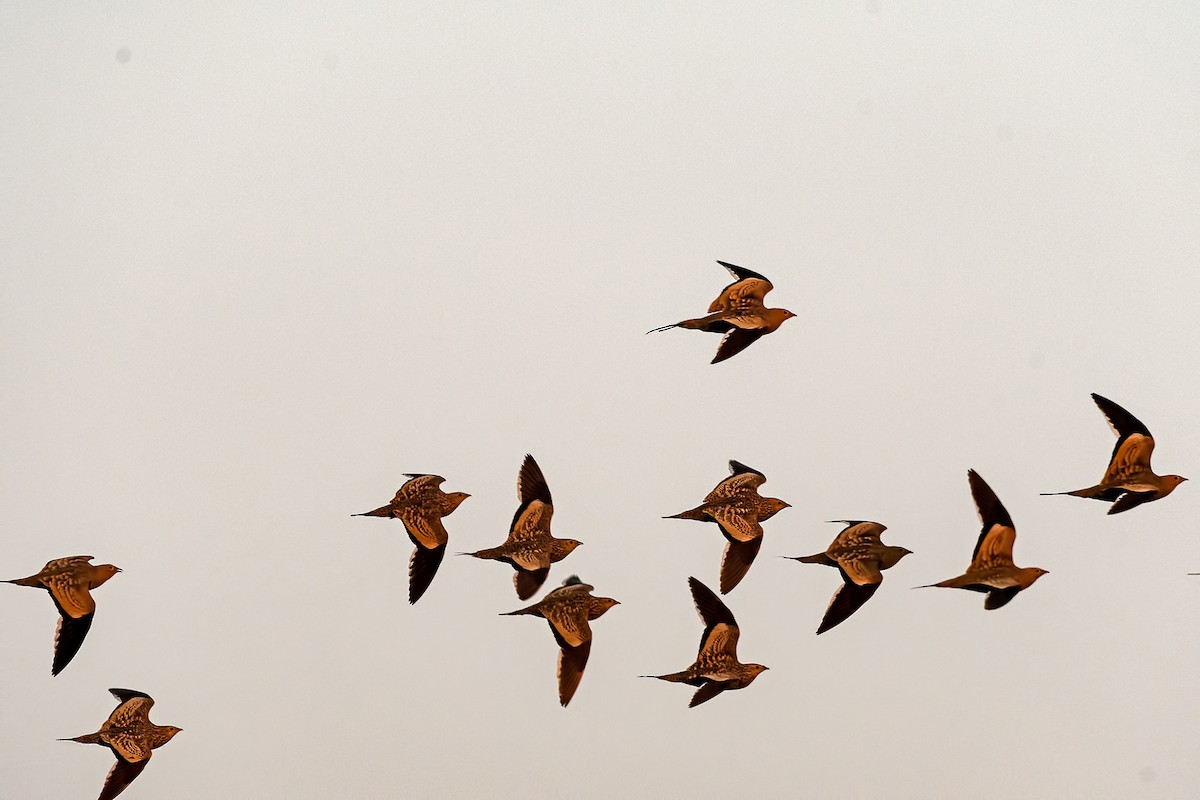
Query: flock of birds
734	505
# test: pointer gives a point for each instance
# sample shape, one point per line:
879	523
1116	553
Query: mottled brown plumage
1128	481
420	504
738	312
860	556
131	736
568	609
530	548
69	582
992	570
738	509
716	667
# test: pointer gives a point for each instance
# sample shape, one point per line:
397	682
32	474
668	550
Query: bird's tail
1092	492
530	610
674	677
663	328
693	513
819	558
385	511
30	581
87	738
490	553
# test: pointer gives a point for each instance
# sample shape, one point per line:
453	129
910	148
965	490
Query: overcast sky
260	262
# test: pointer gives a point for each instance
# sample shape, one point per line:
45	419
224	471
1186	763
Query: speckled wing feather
134	706
531	520
736	562
1130	459
422	567
570	624
419	484
571	663
741	479
735	524
858	533
120	776
127	746
424	527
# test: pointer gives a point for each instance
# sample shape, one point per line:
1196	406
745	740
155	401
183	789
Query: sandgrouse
69	582
738	312
716	667
1129	481
568	609
860	557
131	736
420	504
530	548
738	509
992	570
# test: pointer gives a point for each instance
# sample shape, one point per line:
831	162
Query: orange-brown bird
420	504
738	509
992	570
69	582
860	556
716	667
568	609
1129	481
738	312
131	736
530	549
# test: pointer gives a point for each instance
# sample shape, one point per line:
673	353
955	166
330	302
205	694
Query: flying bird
69	582
530	549
738	312
131	736
992	570
420	504
716	667
860	557
568	609
1129	481
738	509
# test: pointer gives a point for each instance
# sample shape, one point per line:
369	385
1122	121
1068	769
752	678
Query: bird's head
777	316
774	506
566	546
454	500
1170	482
893	555
164	734
755	670
604	604
1033	573
102	572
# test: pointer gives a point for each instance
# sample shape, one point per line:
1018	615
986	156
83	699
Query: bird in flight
530	548
1129	481
738	509
420	504
860	557
131	736
738	312
992	570
716	667
569	609
69	582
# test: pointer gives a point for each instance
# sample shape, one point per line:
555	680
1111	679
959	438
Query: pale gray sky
261	261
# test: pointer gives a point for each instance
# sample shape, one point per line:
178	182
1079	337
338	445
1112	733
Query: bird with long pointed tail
1128	481
739	312
70	582
860	556
569	609
739	511
716	667
132	738
530	548
992	570
421	504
